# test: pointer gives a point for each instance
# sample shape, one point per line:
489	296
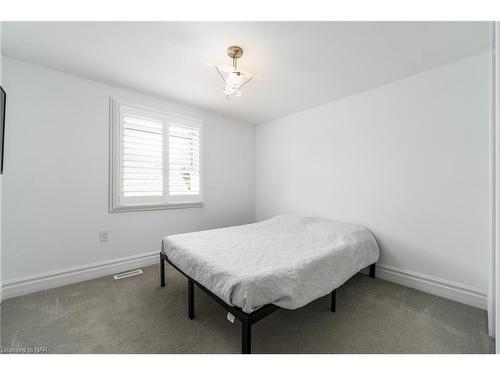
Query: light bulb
234	79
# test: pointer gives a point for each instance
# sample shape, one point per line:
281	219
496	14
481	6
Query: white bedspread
288	261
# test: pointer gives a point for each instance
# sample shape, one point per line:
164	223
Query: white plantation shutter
184	160
142	157
156	160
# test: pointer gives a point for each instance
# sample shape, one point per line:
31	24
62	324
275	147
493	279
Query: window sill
151	207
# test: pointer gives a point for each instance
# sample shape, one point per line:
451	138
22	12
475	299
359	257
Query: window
156	160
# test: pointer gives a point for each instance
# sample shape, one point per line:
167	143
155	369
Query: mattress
287	261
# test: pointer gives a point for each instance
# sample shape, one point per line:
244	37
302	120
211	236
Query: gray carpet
135	315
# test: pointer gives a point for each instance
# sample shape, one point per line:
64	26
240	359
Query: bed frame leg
334	301
372	271
246	337
162	271
190	299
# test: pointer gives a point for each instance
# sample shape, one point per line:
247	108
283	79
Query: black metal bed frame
246	319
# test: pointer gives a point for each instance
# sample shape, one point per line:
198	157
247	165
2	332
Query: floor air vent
123	275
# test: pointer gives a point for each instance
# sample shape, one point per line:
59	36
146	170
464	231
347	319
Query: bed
283	262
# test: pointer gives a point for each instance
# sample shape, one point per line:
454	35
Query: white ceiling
302	64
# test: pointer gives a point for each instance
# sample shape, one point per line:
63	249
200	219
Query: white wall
408	160
496	141
56	180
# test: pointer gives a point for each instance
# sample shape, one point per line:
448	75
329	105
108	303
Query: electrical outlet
104	235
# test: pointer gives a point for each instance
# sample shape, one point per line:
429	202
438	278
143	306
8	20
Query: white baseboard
433	285
48	280
443	288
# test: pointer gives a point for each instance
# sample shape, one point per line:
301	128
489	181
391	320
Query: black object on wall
3	97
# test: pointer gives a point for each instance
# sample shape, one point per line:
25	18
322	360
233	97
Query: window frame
118	203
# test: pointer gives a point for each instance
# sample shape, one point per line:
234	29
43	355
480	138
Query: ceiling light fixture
234	78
